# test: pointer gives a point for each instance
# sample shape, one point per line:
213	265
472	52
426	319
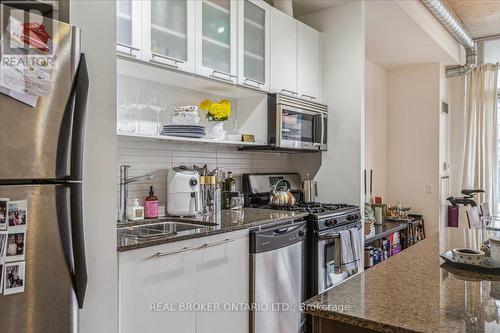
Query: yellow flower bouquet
220	111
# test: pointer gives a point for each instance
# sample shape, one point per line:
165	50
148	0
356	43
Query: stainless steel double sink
161	229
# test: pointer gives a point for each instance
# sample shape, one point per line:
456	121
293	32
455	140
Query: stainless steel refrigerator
41	151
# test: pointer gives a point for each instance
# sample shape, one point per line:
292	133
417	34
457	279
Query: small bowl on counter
468	256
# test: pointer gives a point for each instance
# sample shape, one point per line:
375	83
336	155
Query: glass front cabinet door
216	33
253	39
128	28
169	33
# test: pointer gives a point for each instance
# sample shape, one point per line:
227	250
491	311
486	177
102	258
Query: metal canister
369	252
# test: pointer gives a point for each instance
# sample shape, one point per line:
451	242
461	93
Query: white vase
217	130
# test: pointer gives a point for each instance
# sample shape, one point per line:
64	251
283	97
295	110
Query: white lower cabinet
158	285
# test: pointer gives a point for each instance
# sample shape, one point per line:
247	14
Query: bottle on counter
136	211
217	201
230	183
151	205
204	194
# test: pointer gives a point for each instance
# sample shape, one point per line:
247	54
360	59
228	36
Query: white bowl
468	256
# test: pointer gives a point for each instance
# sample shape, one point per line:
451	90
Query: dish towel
348	252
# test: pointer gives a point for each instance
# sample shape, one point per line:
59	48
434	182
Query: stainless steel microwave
295	123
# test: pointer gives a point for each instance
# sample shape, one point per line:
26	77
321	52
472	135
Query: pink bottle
151	205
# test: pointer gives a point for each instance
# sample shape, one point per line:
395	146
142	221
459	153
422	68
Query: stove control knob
330	222
352	217
193	182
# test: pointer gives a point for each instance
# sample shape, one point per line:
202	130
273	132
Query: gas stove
315	209
257	187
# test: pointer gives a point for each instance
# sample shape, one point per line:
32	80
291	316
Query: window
491	54
498	157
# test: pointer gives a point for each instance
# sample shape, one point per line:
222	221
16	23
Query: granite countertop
415	291
231	220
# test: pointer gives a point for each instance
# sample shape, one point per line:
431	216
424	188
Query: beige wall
96	18
413	140
343	28
376	127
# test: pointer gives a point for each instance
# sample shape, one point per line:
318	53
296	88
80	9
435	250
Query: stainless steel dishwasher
277	283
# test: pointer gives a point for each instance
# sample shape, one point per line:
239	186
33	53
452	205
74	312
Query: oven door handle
329	236
333	235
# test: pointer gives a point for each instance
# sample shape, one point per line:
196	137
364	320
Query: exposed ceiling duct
286	6
452	23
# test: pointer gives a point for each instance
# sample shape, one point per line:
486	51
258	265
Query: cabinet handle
131	49
163	254
309	96
175	61
253	83
225	76
216	243
293	93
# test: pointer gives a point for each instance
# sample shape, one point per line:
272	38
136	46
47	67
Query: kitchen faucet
124	181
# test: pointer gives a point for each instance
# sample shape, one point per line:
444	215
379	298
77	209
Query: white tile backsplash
152	156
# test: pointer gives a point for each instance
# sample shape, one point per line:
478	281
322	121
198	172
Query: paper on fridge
27	61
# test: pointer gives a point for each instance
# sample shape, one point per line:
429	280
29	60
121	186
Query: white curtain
480	159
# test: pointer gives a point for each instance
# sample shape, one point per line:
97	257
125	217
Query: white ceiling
394	39
304	7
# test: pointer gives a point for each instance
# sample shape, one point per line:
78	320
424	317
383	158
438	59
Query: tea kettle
281	196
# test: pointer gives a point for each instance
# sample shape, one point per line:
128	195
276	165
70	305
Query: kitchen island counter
414	291
230	220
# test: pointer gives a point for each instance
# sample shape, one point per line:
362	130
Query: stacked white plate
186	131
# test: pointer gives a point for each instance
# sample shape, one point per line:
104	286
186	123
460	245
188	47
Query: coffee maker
183	192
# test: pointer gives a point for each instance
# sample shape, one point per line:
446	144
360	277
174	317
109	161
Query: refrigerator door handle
71	233
78	242
73	126
81	88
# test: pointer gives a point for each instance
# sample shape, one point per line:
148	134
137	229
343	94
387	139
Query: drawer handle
225	76
253	83
175	61
204	246
131	49
163	254
309	96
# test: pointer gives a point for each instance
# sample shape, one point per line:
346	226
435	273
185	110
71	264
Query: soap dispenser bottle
151	205
136	211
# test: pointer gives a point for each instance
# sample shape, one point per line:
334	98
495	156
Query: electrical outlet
428	189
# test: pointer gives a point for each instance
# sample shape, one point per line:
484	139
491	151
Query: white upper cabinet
128	27
309	62
283	53
253	41
169	33
245	42
216	44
